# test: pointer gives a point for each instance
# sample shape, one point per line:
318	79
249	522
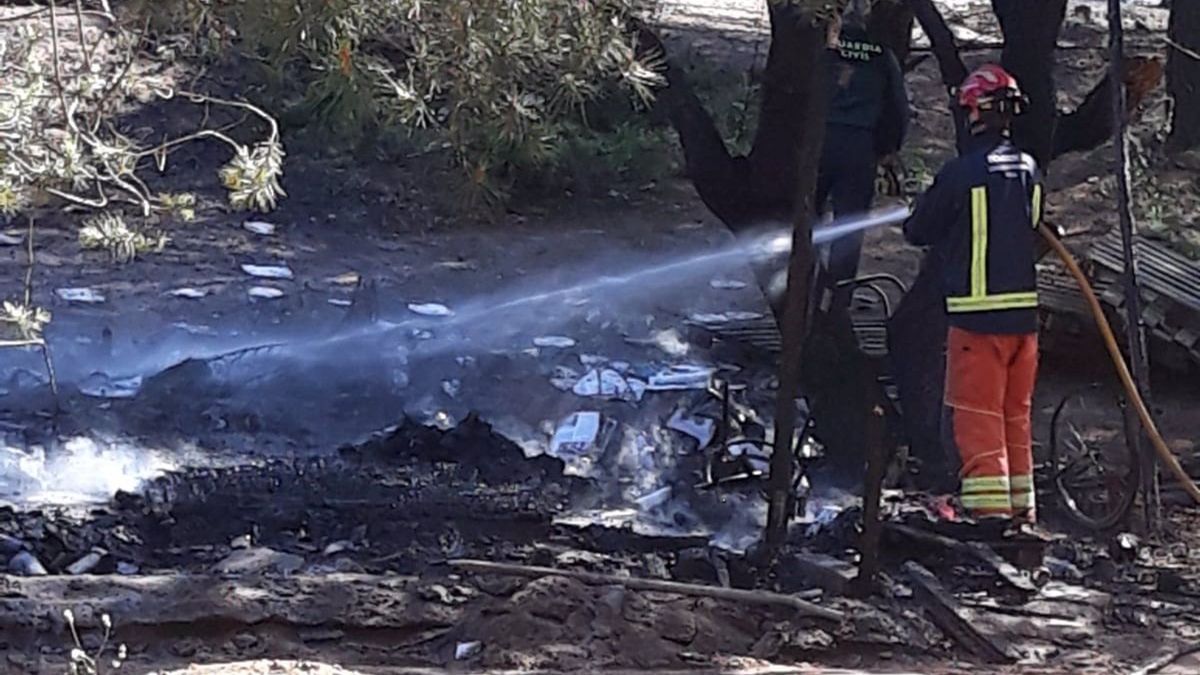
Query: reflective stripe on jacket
980	216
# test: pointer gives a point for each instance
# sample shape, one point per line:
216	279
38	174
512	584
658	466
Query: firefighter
868	119
981	217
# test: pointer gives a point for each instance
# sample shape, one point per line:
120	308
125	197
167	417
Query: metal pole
1134	326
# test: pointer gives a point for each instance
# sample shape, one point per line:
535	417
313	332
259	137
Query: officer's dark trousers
847	179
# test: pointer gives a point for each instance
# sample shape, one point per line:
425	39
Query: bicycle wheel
1094	470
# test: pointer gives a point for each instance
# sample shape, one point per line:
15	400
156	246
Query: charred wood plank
979	551
956	621
795	602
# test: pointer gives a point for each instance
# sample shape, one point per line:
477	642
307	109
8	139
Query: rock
551	598
694	565
830	574
245	641
258	561
1170	581
465	650
188	293
498	586
320	634
446	596
430	309
25	564
88	296
1062	570
336	566
87	563
338	547
676	625
268	271
1124	547
265	293
259	227
10	546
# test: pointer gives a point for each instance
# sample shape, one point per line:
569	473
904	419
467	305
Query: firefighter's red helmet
991	87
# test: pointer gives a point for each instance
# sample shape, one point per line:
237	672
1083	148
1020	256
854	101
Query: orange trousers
989	389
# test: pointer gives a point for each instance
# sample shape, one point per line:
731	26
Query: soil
317	452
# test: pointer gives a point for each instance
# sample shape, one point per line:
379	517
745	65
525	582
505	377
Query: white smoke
82	471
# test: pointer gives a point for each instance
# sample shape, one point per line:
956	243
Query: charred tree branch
1091	124
950	62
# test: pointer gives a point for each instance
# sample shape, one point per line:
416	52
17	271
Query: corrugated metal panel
1160	268
1169	286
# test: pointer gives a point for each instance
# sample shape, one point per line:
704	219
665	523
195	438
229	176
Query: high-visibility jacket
981	217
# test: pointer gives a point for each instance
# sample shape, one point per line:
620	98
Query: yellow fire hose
1118	359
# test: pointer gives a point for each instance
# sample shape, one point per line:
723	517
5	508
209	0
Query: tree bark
785	117
1030	38
917	349
748	191
917	331
807	85
718	177
891	25
1183	74
950	62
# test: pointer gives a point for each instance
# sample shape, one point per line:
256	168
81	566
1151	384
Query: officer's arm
933	213
898	105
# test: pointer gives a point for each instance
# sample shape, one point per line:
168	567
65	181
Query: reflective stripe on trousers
989	388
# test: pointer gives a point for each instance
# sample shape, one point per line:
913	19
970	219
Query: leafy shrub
503	83
59	142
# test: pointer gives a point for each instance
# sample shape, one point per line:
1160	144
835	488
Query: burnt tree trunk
1183	74
950	63
1030	38
917	331
891	25
760	187
808	140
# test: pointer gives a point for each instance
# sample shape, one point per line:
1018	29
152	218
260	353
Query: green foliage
24	322
109	232
58	139
732	98
503	83
1164	201
630	153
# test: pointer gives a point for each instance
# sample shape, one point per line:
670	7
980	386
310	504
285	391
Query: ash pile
424	546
